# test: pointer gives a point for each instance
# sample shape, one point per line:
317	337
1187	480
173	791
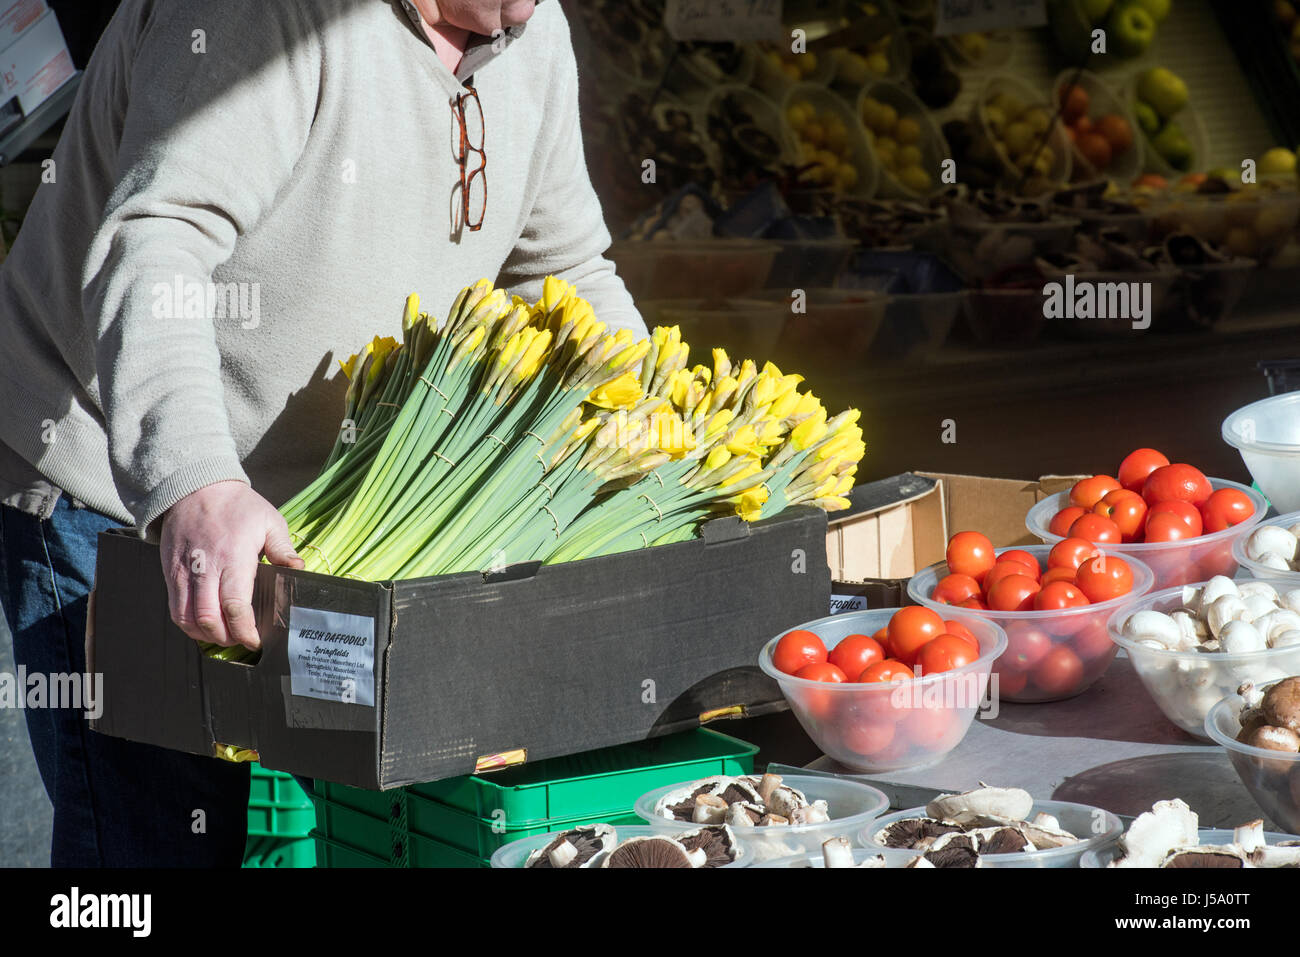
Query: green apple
1096	10
1164	90
1147	118
1131	30
1174	147
1159	9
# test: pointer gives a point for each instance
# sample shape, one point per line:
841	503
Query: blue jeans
117	803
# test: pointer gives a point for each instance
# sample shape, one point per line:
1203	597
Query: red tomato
1056	596
1088	492
796	649
976	602
888	670
1186	513
1059	672
1104	578
1071	553
868	737
1224	508
1096	528
854	653
1004	569
882	636
951	627
1137	465
1026	646
1013	593
1126	509
1093	641
1009	683
1062	520
821	671
909	629
935	729
1164	527
1178	482
943	654
955	589
1022	556
1058	574
970	553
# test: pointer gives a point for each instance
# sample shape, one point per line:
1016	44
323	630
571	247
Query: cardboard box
33	66
466	671
899	525
16	16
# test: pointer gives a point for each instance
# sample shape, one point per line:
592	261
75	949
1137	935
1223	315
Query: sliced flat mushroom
1014	804
579	847
954	850
652	852
717	842
916	833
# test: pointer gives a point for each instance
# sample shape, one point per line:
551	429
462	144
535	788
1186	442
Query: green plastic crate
605	781
335	854
380	837
481	837
426	852
278	807
274	852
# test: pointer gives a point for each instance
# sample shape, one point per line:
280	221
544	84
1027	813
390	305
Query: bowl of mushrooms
1272	550
1193	645
608	846
995	827
840	853
1260	729
1168	836
772	816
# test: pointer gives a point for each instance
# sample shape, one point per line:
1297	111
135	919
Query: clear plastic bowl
933	147
894	858
1187	684
852	805
916	325
1005	318
979	252
748	328
515	853
895	726
1209	293
834	334
1271	777
1101	857
1267	434
1059	141
671	269
1173	563
1097	826
999	48
1263	571
695	74
1190	121
1102	100
765	115
772	79
808	263
1255	224
1080	630
824	101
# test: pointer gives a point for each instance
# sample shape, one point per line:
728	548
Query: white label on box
35	65
16	16
843	603
723	20
969	16
332	656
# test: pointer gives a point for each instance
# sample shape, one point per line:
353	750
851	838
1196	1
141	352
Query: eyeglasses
473	185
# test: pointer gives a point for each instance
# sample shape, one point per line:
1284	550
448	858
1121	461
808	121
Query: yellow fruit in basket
886	149
798	115
1010	106
995	118
878	63
915	179
973	45
835	128
791	72
1042	164
1277	161
853	69
1276	218
887	119
909	156
814	132
1037	119
1241	241
907	130
846	176
1018	137
807	62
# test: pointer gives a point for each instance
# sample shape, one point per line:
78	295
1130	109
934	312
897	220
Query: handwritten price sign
968	16
723	20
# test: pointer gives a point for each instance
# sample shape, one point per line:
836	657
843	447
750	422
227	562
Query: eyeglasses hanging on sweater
473	182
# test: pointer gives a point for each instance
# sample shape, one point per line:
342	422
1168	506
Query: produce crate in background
461	672
280	818
897	526
459	822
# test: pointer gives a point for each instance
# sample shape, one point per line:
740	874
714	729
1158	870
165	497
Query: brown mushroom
1281	704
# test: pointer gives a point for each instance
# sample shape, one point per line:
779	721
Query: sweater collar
480	51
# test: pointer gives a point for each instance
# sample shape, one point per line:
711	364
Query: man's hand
212	541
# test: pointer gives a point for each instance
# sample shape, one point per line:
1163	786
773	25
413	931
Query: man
302	165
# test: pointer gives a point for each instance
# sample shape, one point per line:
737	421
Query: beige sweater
304	151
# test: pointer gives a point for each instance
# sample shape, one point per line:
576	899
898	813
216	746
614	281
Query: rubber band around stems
536	436
434	388
445	459
553	519
328	567
654	505
496	440
548	489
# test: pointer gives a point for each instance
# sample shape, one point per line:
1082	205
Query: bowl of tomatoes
1171	516
887	689
1052	601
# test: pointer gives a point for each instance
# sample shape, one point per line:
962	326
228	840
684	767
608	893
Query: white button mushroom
1273	560
1277	621
1216	588
1248	588
1271	538
1240	637
1223	610
1257	606
1291	599
1152	624
1286	639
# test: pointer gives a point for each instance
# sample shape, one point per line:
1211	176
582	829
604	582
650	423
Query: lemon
915	179
909	156
878	63
814	132
907	131
1277	161
888	118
